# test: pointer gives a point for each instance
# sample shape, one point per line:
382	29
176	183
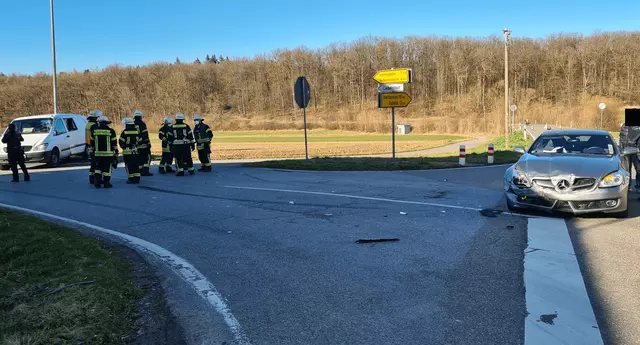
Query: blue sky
95	34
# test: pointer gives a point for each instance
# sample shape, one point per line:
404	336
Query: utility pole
507	36
53	52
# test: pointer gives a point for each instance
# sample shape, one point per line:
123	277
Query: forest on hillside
458	84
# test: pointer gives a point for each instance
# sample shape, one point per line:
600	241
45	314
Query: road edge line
185	270
559	310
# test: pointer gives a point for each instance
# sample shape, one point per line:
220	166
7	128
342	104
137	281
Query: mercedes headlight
613	180
519	178
40	147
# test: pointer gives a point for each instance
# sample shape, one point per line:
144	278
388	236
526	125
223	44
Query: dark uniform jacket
144	132
130	139
104	141
163	135
181	135
203	135
13	139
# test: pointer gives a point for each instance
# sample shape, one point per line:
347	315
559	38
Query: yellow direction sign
393	100
393	76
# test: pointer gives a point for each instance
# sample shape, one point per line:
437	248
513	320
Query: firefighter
182	143
167	156
203	135
14	140
104	144
129	140
144	150
91	122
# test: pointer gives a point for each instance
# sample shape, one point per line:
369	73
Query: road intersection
276	251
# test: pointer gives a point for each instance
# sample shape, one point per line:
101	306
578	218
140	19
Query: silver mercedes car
574	171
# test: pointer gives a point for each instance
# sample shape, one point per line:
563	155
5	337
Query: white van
48	139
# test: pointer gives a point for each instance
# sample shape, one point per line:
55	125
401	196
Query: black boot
209	169
136	180
97	181
92	179
27	178
131	181
170	169
180	173
146	172
192	172
161	170
107	184
202	168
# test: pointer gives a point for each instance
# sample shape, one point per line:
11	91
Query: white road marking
356	197
555	288
182	267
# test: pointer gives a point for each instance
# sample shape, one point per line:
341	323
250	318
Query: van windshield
33	126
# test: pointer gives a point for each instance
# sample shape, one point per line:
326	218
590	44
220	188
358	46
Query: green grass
383	164
36	257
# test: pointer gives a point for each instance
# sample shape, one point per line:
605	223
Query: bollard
463	155
490	157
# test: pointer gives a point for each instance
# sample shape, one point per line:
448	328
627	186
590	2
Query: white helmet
197	117
179	116
103	118
166	121
127	121
137	113
95	113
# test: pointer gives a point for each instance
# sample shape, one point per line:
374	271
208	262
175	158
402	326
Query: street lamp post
53	52
507	35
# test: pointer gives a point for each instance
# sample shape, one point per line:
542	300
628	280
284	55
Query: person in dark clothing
630	137
14	140
92	119
167	156
182	143
203	135
129	140
104	143
144	150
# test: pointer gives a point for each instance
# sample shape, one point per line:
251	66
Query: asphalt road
280	246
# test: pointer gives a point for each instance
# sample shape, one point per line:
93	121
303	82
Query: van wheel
54	161
4	167
86	154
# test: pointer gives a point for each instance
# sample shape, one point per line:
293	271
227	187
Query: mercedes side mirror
519	149
627	151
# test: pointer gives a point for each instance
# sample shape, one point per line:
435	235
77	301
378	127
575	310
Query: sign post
391	95
602	106
302	93
513	109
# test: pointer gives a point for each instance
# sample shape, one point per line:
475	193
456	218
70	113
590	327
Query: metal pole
304	101
506	87
601	111
393	133
53	51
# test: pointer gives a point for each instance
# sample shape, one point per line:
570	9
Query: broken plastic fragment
291	202
403	213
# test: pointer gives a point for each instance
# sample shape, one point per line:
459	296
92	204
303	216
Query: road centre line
558	306
356	197
185	270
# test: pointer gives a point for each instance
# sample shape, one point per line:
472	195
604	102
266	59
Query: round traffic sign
602	106
513	107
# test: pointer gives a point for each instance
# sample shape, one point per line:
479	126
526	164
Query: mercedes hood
578	165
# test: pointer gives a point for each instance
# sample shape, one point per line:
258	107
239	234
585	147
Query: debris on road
443	211
376	240
229	232
403	213
510	227
490	213
328	214
291	202
548	318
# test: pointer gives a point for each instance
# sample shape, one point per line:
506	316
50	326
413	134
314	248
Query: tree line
457	84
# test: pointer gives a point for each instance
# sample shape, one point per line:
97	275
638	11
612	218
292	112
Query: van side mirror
519	149
627	151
